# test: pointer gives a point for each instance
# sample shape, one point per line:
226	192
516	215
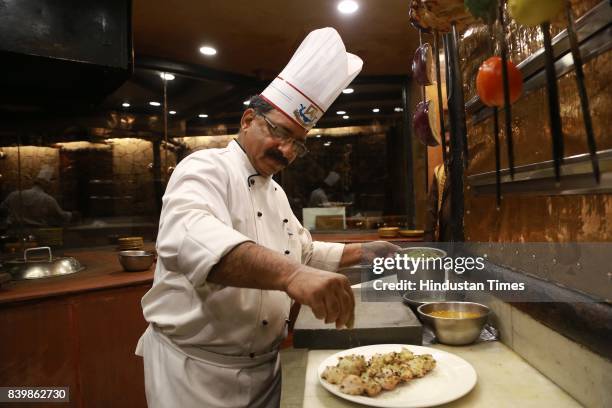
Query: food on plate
381	372
533	13
490	86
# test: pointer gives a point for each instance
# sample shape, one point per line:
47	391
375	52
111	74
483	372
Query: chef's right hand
328	294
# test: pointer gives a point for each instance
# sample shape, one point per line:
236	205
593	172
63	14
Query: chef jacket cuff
326	255
205	244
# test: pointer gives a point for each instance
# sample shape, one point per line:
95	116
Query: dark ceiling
254	41
257	38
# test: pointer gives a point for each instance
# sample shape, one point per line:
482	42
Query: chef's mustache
278	156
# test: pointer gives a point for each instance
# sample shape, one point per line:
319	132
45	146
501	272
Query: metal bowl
455	331
30	267
134	261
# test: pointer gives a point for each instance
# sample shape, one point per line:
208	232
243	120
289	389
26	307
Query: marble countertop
504	380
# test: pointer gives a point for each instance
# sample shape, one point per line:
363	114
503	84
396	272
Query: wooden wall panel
109	325
38	347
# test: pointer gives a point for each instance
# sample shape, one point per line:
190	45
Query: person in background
319	196
232	257
35	207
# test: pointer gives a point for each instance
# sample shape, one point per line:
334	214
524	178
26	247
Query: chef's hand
328	294
378	249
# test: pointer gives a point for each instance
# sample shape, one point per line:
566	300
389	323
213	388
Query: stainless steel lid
30	267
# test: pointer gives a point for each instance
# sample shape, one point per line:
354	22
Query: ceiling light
341	113
345	117
154	103
397	109
207	50
172	112
125	104
375	110
348	91
247	102
326	143
202	115
347	7
166	76
318	136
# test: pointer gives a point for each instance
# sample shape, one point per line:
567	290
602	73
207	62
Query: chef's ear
247	119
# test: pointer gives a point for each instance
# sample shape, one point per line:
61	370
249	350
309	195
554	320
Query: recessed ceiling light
348	91
326	143
318	136
341	113
345	117
172	112
125	104
202	115
208	50
398	109
347	7
375	110
154	103
166	76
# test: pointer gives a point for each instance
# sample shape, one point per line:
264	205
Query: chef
35	207
232	257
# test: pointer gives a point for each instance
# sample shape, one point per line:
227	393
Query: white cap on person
45	173
314	77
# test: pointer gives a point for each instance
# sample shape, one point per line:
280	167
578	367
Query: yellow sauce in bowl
454	314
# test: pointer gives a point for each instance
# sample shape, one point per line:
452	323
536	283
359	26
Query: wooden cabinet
85	341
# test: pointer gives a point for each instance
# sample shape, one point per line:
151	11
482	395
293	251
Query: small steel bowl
455	331
134	261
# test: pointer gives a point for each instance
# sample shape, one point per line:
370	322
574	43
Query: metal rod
554	109
505	81
496	130
165	172
582	93
440	101
456	109
458	89
497	157
423	98
407	155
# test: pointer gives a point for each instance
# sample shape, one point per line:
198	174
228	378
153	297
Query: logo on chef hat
307	116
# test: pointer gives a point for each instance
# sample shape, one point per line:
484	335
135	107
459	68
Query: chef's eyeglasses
299	148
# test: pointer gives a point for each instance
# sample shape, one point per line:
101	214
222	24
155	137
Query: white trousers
175	378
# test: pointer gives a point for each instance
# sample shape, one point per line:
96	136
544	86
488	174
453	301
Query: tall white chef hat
45	173
314	77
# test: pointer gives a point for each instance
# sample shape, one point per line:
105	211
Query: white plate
452	378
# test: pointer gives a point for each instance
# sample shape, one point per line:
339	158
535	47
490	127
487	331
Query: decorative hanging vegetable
486	10
422	65
532	13
489	83
424	122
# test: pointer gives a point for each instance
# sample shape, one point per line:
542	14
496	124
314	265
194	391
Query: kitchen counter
348	237
103	271
504	380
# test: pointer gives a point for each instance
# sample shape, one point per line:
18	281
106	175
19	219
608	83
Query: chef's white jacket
214	201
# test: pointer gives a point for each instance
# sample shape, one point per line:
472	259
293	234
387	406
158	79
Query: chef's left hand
378	249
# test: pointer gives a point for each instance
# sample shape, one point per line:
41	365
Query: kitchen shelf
594	32
539	178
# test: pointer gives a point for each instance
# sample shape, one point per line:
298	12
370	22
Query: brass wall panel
538	218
